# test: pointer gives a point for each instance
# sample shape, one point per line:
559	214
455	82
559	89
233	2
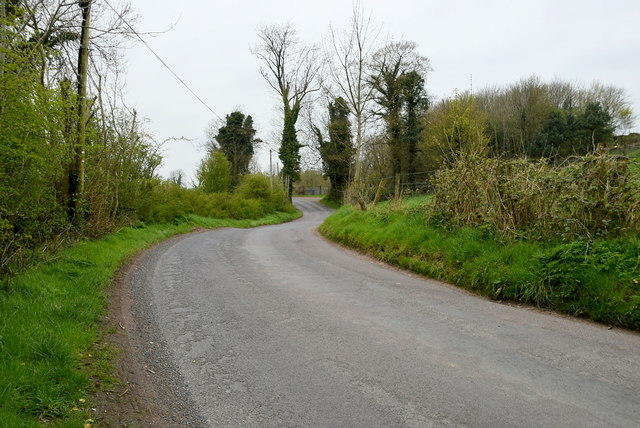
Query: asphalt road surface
276	327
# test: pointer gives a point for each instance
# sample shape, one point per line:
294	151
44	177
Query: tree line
74	158
367	113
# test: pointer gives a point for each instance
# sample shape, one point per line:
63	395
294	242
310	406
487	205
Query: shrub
214	173
259	186
254	198
595	196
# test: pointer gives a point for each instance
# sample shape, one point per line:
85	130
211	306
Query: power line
162	61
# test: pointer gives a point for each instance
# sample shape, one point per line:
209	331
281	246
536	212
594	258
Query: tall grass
599	280
49	318
590	197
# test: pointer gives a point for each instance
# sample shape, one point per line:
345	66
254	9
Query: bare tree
291	69
349	54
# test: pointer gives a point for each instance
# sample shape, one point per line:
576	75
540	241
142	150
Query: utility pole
76	177
270	169
3	43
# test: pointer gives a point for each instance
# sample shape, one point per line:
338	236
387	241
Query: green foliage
33	157
121	161
214	173
556	137
37	138
258	187
236	139
338	152
564	134
253	198
553	119
398	81
595	125
50	318
455	126
599	279
289	151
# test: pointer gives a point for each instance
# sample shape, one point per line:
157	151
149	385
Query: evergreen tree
564	134
415	104
594	126
236	140
556	136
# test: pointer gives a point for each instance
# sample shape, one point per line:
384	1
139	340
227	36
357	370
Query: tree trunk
77	174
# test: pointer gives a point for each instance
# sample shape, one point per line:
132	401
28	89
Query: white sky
497	41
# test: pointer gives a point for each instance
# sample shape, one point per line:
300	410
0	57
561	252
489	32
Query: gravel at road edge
152	393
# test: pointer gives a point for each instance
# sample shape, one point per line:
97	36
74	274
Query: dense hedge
254	197
590	197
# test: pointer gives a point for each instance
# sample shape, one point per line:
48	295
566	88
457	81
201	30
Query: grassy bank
49	324
599	280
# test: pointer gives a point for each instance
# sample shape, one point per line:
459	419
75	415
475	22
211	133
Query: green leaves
214	173
236	139
338	153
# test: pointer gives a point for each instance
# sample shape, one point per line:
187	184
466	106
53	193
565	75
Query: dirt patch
150	393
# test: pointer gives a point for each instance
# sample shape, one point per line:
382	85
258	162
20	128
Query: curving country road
275	327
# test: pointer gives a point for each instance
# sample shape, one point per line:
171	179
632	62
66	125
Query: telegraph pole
3	38
76	178
270	169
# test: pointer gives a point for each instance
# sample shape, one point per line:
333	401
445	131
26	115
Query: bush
214	173
595	196
258	186
254	198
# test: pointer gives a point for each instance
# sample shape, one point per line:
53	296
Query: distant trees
456	127
381	122
312	180
534	118
348	57
236	140
564	133
290	68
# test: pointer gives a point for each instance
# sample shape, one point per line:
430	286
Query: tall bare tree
290	68
349	54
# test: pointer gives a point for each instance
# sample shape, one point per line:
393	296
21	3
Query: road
274	327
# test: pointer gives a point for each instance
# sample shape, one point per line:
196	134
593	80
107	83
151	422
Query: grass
599	280
329	203
49	324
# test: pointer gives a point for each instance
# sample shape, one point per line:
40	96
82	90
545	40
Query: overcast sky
498	42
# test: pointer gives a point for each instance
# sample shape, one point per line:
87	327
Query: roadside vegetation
533	196
50	360
598	279
561	233
533	187
80	193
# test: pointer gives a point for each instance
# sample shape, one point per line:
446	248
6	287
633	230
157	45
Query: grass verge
599	280
329	203
49	324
